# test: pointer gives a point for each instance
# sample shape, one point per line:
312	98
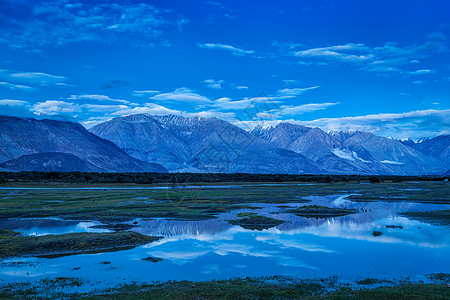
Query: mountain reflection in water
214	249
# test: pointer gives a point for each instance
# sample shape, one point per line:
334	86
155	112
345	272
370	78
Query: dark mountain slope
25	136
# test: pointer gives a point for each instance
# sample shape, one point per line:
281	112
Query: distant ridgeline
160	144
180	178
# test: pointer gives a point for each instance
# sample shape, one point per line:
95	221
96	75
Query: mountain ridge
357	151
438	147
154	143
27	136
209	145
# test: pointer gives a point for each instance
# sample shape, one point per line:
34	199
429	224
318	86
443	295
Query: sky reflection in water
214	249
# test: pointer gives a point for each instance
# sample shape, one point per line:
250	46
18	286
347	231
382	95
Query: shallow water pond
214	249
38	227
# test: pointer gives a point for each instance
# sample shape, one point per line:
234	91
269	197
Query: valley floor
256	288
103	240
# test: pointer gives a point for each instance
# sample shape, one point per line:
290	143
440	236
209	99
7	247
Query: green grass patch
405	291
318	211
442	277
255	289
255	222
152	259
376	233
440	217
372	281
276	287
111	206
5	234
115	227
246	214
69	244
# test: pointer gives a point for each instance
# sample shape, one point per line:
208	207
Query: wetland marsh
105	236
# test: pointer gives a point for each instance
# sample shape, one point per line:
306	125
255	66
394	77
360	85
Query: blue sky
379	66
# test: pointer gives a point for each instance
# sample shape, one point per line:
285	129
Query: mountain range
438	147
350	152
30	144
148	143
200	145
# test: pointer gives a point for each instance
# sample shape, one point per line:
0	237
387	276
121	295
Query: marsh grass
152	259
253	221
441	277
113	206
247	288
319	212
255	289
115	227
376	233
440	217
50	246
372	281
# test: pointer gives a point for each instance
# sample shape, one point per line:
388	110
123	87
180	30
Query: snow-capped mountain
20	137
438	147
388	156
145	138
408	142
145	143
313	143
200	144
350	152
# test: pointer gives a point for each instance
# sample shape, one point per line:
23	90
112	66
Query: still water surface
213	249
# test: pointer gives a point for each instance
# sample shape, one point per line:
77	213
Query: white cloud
97	98
181	22
181	95
104	108
241	87
54	107
341	52
290	82
161	110
149	108
26	80
437	36
422	72
83	21
145	93
413	124
251	106
234	50
213	113
11	102
266	115
39	78
288	110
132	111
304	108
269	108
214	84
16	87
292	93
228	104
91	122
215	3
386	59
